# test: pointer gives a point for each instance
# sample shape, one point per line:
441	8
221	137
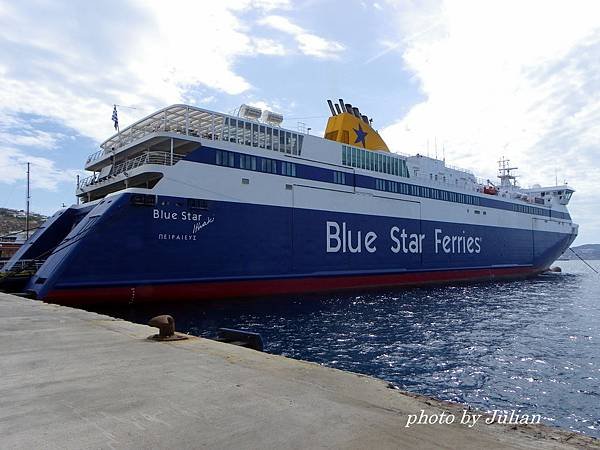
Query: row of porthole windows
422	191
249	162
438	194
225	158
530	210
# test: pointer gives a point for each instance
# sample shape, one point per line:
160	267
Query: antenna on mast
507	179
27	197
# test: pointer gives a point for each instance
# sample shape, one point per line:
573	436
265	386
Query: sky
474	80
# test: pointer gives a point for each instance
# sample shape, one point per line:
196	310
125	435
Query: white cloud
13	160
21	133
308	43
268	47
268	5
510	78
45	174
76	60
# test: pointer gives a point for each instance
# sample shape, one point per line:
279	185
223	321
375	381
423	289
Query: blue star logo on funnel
360	135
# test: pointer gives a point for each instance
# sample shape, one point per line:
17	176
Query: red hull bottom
256	288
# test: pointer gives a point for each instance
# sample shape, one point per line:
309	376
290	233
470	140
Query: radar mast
507	179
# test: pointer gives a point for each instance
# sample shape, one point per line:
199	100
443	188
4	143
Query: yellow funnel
349	129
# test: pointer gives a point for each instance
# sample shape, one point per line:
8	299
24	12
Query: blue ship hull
124	251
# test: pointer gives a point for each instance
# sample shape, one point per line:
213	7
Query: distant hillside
587	251
14	220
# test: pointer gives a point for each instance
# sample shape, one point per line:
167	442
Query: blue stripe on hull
133	245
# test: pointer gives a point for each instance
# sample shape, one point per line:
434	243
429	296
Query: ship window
240	131
282	141
197	203
276	140
268	138
232	130
254	135
248	134
224	158
300	139
268	165
247	162
143	200
339	177
217	126
261	136
226	130
288	169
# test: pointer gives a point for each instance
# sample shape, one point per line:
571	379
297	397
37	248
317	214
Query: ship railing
459	169
94	156
26	265
193	122
464	184
179	119
159	158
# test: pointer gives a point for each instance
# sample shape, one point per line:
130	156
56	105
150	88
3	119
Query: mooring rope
585	262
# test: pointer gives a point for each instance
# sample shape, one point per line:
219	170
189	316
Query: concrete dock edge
75	379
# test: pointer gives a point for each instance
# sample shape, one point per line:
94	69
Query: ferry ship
194	204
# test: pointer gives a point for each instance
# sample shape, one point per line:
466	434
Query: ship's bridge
551	194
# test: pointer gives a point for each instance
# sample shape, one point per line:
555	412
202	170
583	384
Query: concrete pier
74	379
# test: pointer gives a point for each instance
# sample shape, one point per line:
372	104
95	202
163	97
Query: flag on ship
115	118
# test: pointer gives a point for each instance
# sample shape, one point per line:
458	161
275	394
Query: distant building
11	242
